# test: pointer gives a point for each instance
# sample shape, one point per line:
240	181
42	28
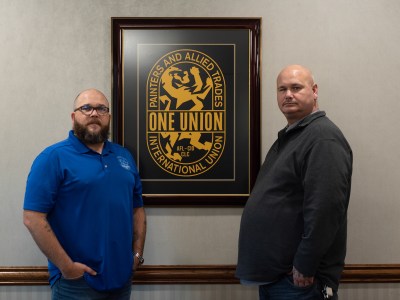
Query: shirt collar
82	148
306	120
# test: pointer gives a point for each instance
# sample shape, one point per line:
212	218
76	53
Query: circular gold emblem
185	115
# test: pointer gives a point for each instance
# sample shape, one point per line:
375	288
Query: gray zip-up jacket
296	214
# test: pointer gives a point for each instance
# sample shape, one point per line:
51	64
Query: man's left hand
300	280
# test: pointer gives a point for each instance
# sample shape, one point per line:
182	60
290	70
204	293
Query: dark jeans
284	289
78	289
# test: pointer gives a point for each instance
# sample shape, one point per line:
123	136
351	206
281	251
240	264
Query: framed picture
186	103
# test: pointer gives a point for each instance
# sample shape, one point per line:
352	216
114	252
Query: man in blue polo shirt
83	207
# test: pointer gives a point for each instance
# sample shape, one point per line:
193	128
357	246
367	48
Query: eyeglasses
87	110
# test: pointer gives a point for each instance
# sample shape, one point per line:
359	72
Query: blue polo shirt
89	200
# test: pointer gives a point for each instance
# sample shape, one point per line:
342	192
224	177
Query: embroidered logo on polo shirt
124	162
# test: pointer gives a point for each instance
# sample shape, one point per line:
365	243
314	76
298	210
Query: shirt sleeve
137	188
326	175
42	184
137	192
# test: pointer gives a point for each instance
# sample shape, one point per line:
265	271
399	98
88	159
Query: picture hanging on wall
186	103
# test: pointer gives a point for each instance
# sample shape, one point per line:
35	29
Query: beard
82	133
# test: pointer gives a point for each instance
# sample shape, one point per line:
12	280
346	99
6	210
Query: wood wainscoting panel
201	274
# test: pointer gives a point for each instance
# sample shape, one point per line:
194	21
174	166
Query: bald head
297	93
84	97
298	71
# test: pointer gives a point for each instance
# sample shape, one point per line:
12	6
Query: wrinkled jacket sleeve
326	175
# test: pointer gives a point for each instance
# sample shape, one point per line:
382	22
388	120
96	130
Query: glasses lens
102	110
86	109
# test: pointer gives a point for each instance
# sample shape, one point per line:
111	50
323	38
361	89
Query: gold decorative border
201	274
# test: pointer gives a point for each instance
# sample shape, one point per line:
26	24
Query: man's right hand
76	270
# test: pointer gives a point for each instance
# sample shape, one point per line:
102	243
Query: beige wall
50	50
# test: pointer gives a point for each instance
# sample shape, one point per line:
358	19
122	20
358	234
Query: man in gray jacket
292	240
